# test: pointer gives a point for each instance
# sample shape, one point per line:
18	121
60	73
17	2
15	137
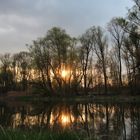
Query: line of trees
58	63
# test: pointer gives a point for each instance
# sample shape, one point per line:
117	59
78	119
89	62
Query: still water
103	121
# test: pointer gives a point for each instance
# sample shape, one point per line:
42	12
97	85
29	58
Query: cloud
22	21
6	30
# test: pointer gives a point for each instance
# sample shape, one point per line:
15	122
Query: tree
134	13
86	50
58	42
6	76
113	67
21	65
101	51
118	34
51	56
5	61
41	64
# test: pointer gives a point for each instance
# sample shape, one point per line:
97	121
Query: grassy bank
118	98
84	99
7	134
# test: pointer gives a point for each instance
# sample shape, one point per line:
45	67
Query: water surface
104	121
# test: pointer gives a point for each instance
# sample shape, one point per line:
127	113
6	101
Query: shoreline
20	97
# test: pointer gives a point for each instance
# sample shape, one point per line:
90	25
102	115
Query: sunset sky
22	21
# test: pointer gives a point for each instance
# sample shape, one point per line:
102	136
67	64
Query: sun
65	119
64	73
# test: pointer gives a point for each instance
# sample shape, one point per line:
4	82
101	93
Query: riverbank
23	96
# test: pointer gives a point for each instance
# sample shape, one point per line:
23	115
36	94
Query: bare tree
118	33
86	54
101	50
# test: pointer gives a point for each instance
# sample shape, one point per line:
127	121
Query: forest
101	60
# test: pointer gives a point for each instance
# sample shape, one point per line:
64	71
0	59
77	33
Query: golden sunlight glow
64	73
65	119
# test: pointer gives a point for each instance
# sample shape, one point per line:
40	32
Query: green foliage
37	135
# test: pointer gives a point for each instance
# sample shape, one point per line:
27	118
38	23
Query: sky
22	21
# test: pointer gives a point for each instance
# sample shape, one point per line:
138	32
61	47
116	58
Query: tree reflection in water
106	121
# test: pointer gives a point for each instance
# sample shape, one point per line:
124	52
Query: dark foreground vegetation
58	64
6	134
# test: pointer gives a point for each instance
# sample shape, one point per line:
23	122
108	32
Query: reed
16	134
